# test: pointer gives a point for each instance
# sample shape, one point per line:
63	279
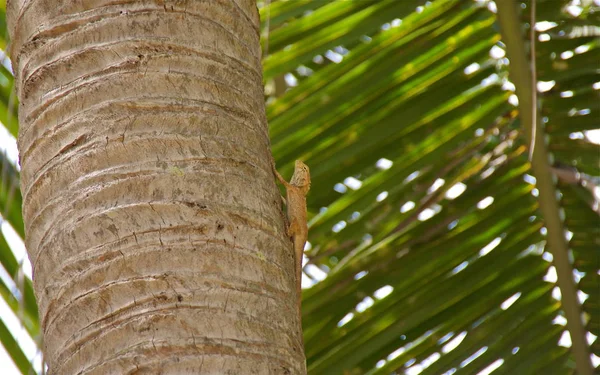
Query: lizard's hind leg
293	228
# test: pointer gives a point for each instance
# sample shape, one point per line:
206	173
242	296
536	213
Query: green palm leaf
411	95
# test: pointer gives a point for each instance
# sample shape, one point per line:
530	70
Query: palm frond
426	219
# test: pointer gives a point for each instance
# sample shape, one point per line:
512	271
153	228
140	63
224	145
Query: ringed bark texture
153	221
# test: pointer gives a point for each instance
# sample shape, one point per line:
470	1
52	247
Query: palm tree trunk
153	221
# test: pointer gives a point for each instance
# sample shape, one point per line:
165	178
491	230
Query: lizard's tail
299	244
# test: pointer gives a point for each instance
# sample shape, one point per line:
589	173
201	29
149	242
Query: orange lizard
297	227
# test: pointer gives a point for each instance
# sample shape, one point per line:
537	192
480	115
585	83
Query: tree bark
153	221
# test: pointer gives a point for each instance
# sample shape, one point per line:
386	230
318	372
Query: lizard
297	227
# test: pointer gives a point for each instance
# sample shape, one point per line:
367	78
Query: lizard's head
301	176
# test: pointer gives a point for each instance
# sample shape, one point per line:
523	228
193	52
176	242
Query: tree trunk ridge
153	221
